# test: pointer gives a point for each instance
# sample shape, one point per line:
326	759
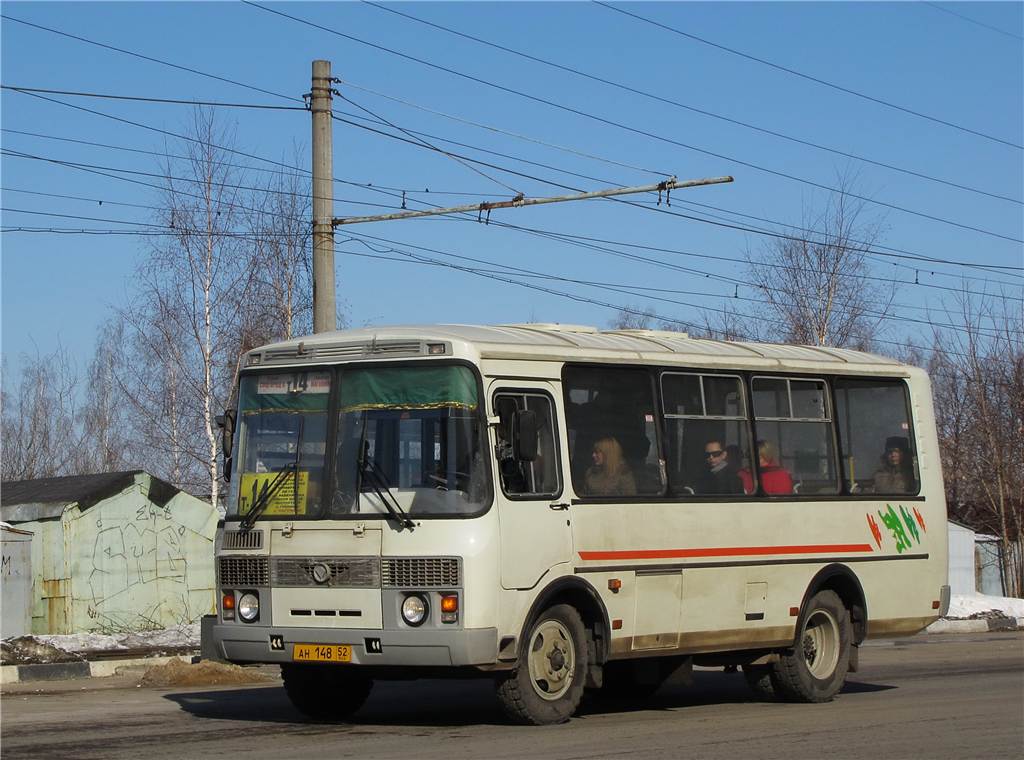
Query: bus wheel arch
561	649
844	582
832	621
577	593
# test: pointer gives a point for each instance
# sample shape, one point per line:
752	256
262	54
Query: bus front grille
240	572
420	572
341	572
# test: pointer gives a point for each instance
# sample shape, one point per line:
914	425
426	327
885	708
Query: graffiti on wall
137	572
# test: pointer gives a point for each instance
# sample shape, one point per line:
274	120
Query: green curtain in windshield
408	388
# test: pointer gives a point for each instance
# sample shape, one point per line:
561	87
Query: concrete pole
323	200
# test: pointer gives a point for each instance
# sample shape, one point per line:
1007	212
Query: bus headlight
414	609
248	607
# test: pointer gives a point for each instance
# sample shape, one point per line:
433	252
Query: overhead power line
404	139
808	77
375	189
162	62
686	106
141	99
248	167
150	58
634	130
672	212
876	249
975	21
503	277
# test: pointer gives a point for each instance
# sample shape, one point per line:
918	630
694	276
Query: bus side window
706	413
612	409
519	478
874	421
795	436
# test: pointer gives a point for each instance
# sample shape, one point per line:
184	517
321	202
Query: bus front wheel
814	670
325	692
547	684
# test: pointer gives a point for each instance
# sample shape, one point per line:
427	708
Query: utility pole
323	199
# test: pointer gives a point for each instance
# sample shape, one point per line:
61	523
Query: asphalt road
930	696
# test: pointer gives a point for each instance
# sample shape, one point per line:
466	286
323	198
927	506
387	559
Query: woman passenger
774	478
609	475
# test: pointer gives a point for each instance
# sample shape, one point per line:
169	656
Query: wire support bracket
484	209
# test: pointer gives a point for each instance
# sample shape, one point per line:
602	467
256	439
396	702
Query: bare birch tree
813	283
104	418
40	438
184	317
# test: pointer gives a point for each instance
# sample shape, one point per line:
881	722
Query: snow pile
46	648
25	650
185	636
968	606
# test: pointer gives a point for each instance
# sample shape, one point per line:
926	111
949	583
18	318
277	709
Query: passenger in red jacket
775	480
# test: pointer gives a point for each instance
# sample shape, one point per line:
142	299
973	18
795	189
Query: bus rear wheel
547	685
325	692
815	669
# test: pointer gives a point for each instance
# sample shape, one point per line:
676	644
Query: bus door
532	509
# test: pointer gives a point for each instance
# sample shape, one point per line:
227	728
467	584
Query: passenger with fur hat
896	475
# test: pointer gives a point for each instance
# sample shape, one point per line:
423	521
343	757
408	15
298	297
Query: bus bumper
240	643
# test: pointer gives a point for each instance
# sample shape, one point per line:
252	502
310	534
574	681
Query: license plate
322	653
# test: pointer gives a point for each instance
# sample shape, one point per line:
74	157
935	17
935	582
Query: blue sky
60	287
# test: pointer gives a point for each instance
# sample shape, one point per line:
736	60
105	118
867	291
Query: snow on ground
965	605
182	636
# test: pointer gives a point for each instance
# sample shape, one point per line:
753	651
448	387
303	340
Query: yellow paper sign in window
289	498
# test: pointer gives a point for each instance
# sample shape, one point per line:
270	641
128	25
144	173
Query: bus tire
325	692
547	685
759	679
814	670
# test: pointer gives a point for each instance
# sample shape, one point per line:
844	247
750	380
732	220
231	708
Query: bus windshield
414	431
404	439
282	439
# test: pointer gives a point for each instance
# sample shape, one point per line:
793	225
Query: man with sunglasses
720	475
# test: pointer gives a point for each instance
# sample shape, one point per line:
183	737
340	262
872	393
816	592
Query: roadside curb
61	671
976	626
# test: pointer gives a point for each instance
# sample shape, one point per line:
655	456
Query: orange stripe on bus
728	551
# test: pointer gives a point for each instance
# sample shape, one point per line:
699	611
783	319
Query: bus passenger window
707	435
612	432
876	437
795	448
526	479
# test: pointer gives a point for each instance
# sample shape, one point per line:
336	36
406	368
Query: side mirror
226	423
525	440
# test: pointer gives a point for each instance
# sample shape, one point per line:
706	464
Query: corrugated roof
46	498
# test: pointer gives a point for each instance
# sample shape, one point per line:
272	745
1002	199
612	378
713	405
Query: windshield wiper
379	483
263	500
269	489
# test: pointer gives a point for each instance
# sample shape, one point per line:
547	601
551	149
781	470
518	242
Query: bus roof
539	341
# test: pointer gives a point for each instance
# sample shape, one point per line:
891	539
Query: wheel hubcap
552	660
820	644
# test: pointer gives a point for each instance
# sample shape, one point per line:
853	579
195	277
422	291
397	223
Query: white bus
559	508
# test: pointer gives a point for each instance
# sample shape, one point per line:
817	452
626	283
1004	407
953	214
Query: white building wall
961	559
